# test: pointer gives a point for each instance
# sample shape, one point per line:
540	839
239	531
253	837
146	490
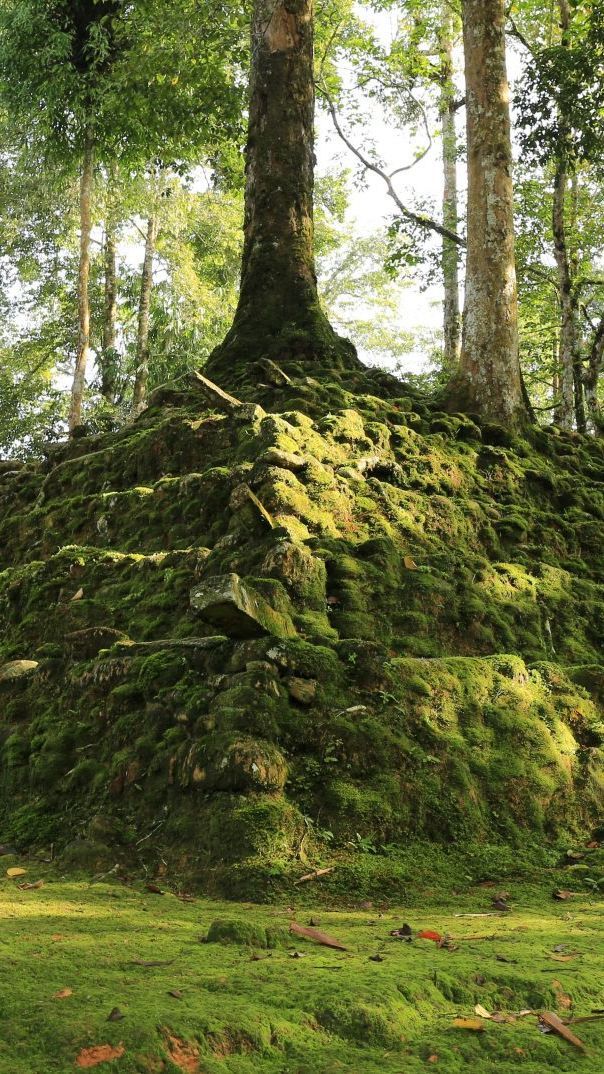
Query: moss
247	934
409	550
237	763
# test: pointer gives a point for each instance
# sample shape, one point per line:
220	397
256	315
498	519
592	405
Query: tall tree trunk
592	378
450	254
109	337
144	307
279	314
568	356
568	305
489	380
83	352
579	390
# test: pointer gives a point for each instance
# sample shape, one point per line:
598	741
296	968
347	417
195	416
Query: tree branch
421	220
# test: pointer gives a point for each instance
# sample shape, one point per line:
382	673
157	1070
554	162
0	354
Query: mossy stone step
227	601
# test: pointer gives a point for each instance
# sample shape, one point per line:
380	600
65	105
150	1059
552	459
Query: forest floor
121	977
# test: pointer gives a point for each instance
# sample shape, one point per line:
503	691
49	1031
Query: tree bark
579	390
489	380
144	307
591	380
568	304
279	314
570	406
83	351
109	335
450	255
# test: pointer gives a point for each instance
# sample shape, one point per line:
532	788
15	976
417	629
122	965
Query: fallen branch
213	394
316	875
551	1020
316	935
492	913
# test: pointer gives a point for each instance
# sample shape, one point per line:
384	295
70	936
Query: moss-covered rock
233	605
327	621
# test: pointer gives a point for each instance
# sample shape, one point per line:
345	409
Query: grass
238	1010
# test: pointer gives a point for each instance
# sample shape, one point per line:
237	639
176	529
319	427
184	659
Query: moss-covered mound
328	617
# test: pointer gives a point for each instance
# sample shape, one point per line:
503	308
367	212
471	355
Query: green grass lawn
235	1008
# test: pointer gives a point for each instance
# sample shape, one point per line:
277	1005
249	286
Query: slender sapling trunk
142	337
83	351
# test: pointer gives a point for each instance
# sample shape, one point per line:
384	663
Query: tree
279	313
144	305
561	132
489	380
450	250
104	80
411	82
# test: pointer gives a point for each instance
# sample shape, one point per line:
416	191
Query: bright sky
372	209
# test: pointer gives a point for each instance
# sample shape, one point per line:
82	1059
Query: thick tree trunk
279	313
489	380
83	351
109	337
450	253
144	307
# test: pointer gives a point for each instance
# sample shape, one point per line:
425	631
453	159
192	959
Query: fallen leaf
31	887
501	1018
116	1015
429	934
316	935
432	1059
563	895
101	1053
78	595
184	897
474	1024
551	1020
404	933
410	564
562	958
153	888
63	993
175	993
57	937
482	1011
12	873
